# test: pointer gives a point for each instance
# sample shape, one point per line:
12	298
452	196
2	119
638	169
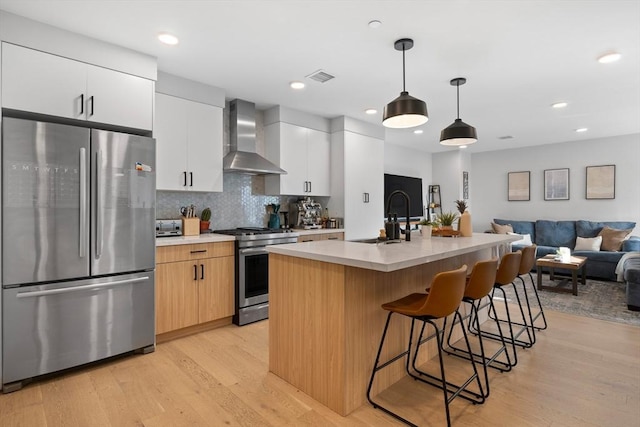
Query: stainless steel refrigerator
78	247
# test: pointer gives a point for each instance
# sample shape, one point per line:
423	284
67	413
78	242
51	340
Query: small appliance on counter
168	227
307	213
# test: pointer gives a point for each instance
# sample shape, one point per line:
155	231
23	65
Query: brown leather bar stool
526	265
506	274
479	286
443	299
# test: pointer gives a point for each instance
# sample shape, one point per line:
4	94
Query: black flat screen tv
411	186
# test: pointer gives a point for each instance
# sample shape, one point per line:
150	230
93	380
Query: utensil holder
190	226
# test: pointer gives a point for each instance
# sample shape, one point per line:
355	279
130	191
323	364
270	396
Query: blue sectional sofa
550	235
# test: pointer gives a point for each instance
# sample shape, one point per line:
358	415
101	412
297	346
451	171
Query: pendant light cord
403	72
458	97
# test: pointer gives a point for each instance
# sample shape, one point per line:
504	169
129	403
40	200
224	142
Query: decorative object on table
190	222
464	222
426	228
205	218
601	182
405	111
445	222
518	183
274	216
458	133
556	184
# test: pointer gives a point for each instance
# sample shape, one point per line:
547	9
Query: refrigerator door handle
30	294
99	213
83	203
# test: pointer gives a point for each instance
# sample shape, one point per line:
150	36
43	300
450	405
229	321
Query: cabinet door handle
309	186
191	179
332	238
305	187
91	101
201	251
81	103
309	240
201	271
184	175
195	272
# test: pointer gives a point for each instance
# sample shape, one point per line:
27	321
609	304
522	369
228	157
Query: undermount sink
375	241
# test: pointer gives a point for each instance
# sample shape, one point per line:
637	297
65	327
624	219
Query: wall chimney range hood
242	156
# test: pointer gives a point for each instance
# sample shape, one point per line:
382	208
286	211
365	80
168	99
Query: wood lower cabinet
321	236
194	285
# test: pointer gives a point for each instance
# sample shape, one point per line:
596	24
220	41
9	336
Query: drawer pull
202	251
332	238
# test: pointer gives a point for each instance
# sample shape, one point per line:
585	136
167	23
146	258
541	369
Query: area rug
597	298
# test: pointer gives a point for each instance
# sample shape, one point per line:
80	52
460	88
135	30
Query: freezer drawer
47	328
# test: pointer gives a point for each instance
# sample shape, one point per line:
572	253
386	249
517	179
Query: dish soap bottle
389	228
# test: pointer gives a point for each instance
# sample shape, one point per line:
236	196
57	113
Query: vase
425	230
274	220
464	225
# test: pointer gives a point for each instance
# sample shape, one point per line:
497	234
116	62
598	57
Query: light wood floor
582	372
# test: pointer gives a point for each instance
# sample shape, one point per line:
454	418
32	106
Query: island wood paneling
325	324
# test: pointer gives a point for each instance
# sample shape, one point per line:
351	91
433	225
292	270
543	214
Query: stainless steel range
252	269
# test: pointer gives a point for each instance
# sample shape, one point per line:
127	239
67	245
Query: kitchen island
325	319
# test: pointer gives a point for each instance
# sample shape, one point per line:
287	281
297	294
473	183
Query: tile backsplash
241	204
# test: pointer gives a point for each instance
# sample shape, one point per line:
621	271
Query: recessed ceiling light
375	24
559	105
296	85
371	111
608	58
167	38
463	146
418	131
582	130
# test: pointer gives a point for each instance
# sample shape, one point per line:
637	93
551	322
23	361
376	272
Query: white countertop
188	240
393	256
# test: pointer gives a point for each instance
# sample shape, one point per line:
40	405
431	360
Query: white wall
488	179
447	173
405	161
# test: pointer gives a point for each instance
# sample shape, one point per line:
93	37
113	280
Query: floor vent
320	76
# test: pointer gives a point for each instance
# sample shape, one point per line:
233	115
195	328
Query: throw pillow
525	241
501	229
612	238
588	243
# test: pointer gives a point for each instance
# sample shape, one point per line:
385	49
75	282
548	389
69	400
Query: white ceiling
519	57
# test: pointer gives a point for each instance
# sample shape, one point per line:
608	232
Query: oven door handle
252	251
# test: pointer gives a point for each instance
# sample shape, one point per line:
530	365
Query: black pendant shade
458	133
405	111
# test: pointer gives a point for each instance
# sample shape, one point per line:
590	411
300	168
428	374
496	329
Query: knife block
190	226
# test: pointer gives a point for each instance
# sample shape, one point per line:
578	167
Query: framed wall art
601	182
519	186
556	184
465	185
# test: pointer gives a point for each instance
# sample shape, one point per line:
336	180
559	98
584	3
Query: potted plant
205	217
446	220
426	227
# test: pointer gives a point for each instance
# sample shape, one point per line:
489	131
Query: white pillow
525	241
588	244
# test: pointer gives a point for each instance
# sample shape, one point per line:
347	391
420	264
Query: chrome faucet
407	204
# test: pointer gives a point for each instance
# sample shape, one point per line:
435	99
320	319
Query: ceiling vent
505	137
320	76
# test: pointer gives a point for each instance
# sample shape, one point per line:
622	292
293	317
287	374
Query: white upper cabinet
188	145
119	99
363	185
42	83
304	153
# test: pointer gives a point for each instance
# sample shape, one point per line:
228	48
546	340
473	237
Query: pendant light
458	133
405	111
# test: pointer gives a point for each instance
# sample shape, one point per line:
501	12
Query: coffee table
576	264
